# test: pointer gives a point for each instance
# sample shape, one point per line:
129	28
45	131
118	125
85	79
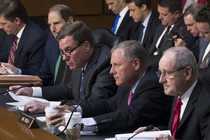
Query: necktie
130	97
11	58
81	89
141	29
177	109
115	23
165	36
204	61
57	67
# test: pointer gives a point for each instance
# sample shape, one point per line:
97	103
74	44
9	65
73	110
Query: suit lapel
124	22
21	43
190	105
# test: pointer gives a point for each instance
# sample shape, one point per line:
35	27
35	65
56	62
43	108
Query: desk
10	129
9	80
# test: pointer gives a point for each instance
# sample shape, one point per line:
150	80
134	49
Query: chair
106	37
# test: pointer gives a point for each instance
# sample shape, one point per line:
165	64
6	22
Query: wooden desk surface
11	130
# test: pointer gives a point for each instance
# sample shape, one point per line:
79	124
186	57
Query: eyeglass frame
68	53
167	74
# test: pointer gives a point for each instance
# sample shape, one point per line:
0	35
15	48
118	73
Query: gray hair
133	49
193	9
183	58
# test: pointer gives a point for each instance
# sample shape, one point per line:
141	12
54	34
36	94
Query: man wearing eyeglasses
90	67
178	73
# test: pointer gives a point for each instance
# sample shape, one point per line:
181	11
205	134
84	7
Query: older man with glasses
178	72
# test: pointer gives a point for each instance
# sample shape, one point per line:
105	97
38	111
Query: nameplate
28	121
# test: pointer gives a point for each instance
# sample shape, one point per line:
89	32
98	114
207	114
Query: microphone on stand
148	128
85	98
29	85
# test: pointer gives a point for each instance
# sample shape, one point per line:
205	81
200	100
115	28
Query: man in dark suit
170	14
137	102
124	26
59	15
5	44
178	73
90	67
203	25
29	39
140	11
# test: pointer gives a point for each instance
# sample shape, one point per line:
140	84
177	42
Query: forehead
66	42
117	55
189	18
202	26
54	15
167	61
131	5
110	1
163	10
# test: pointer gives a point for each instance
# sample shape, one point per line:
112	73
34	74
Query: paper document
22	100
150	135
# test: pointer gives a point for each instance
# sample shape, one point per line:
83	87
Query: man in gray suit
90	67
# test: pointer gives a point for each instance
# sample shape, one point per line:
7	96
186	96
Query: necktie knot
178	104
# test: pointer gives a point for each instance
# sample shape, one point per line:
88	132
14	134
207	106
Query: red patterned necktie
12	51
177	109
130	97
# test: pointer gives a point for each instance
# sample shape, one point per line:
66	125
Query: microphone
148	128
29	85
85	98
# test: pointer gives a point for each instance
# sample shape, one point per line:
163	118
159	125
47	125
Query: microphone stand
72	115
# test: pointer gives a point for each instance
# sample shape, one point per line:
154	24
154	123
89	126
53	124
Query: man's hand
35	106
7	68
26	91
57	119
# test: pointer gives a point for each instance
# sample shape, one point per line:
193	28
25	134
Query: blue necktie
115	23
141	29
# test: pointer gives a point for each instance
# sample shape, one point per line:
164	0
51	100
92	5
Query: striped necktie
11	58
57	65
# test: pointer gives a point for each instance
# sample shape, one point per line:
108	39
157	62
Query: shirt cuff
90	125
37	91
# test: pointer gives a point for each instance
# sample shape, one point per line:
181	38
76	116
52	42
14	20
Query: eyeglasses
67	53
168	74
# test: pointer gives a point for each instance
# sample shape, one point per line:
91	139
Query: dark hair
64	11
79	31
133	49
139	3
193	9
12	9
172	5
203	15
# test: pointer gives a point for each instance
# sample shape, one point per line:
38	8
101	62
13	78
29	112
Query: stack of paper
141	136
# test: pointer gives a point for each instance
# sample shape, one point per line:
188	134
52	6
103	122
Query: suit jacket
207	137
194	121
97	80
47	70
204	74
179	26
30	52
149	105
5	45
127	28
149	33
